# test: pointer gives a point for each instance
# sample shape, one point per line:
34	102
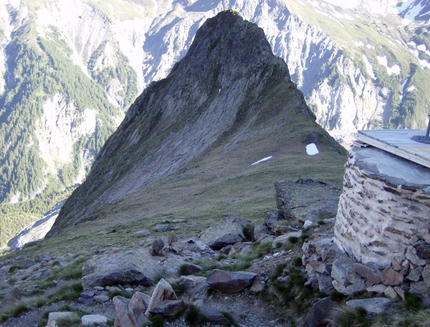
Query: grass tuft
193	316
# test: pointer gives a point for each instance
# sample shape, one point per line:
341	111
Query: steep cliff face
228	97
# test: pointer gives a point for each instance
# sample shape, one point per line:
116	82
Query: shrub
193	316
248	231
297	262
156	320
344	316
412	302
293	239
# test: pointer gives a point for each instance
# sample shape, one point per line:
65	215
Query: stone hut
383	215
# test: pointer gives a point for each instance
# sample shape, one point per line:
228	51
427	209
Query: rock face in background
383	210
365	79
228	95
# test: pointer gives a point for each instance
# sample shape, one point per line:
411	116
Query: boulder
319	313
173	238
131	313
286	239
124	318
306	199
157	247
162	292
191	269
228	231
53	317
132	267
167	308
212	315
376	305
195	286
93	320
230	282
372	275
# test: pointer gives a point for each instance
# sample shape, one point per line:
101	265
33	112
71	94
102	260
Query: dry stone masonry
383	221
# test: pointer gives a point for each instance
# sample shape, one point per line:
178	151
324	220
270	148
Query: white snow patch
422	47
369	67
14	3
411	88
261	160
359	43
395	69
311	149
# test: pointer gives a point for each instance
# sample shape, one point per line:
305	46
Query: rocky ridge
227	96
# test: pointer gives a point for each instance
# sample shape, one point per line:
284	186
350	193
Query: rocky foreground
279	273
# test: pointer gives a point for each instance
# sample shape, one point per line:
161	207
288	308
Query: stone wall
384	210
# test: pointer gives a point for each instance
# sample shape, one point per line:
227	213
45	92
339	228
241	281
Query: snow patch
261	160
395	69
359	43
311	149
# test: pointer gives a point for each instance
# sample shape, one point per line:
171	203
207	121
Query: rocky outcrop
133	267
306	199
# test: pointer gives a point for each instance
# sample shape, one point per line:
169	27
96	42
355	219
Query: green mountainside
71	70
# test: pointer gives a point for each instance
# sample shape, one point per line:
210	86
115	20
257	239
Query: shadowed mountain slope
190	138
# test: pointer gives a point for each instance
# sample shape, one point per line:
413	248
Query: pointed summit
226	104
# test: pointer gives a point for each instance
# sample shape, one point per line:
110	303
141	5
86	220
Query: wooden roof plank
398	142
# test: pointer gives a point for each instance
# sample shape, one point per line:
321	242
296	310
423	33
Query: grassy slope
222	182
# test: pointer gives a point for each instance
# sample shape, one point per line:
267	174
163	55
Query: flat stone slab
393	169
306	199
376	305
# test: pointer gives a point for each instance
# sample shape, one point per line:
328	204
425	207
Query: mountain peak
228	100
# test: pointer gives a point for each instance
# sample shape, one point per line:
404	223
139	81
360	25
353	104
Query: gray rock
11	298
44	257
376	305
212	316
173	238
227	281
139	303
273	217
124	318
325	284
228	231
415	274
426	275
161	228
157	247
195	286
162	292
168	308
132	267
191	269
343	272
53	317
420	288
372	275
142	233
306	199
285	239
22	263
91	320
102	298
423	251
319	313
412	256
